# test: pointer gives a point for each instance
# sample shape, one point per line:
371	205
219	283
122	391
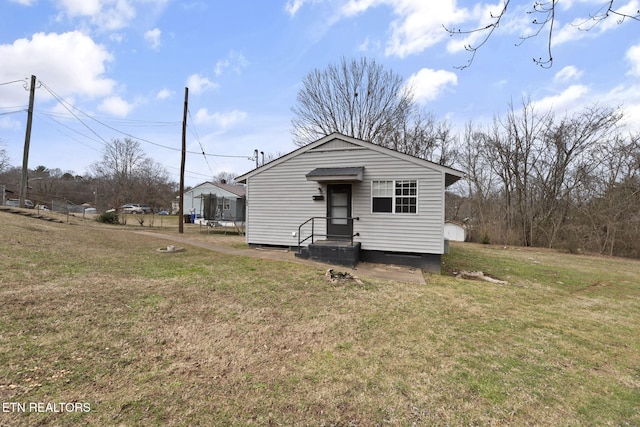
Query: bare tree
511	151
357	98
537	180
225	178
481	182
4	159
545	14
570	151
129	175
422	135
607	205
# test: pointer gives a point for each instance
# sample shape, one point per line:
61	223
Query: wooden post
182	162
27	141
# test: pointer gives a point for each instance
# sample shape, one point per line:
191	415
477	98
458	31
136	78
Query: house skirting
332	252
429	263
349	255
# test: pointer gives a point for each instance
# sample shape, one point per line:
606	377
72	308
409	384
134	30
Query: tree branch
546	12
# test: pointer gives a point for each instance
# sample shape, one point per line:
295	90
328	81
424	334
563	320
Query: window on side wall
394	196
224	204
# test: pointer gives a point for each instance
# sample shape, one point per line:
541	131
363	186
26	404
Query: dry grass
95	314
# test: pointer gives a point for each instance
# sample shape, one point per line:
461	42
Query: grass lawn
95	316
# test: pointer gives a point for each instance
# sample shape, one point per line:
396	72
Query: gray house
342	200
216	201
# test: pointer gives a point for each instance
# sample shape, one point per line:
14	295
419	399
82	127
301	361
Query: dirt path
363	269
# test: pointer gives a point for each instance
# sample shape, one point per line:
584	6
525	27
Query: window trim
394	196
222	201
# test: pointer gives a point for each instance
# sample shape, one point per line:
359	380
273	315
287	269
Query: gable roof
451	175
238	190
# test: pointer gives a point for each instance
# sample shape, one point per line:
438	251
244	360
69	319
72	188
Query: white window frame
379	191
224	204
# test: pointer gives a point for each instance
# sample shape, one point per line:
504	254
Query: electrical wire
14	81
68	106
46	119
11	112
70	109
64	104
195	134
121	122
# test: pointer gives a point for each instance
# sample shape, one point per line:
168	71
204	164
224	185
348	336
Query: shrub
108	218
485	239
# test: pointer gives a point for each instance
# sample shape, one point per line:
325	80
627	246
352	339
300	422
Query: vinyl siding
193	201
280	199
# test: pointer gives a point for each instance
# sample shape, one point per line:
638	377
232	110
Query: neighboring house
341	200
3	194
216	201
455	231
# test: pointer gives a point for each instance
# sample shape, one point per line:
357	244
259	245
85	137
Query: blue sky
121	67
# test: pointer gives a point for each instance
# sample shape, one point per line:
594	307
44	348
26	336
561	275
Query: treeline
124	175
536	179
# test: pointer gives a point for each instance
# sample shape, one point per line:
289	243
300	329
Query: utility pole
27	141
182	162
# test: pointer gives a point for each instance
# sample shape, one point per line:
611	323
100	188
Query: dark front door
339	224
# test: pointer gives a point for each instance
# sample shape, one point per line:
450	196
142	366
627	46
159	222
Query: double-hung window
394	196
224	204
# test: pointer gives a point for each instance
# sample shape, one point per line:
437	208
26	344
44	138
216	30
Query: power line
43	115
12	112
64	103
195	134
49	117
98	138
121	122
14	81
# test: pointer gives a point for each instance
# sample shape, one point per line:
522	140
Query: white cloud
570	32
198	84
223	120
107	15
7	122
75	8
427	84
165	94
633	56
234	60
116	17
220	66
116	106
24	2
585	27
62	108
516	21
117	37
420	25
153	37
628	98
565	101
68	63
293	6
354	7
567	73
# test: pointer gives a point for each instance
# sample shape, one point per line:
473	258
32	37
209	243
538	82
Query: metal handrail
314	234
